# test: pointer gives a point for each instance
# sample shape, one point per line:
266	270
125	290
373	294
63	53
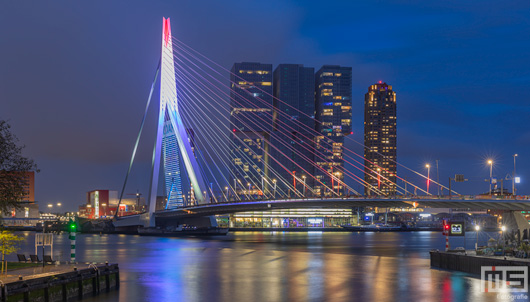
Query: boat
374	228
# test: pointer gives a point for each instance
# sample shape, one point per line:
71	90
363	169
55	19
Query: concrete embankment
470	263
59	284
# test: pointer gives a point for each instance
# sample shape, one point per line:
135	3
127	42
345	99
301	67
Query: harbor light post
503	229
513	177
490	162
303	177
477	228
428	176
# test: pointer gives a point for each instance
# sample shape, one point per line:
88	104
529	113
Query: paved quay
39	271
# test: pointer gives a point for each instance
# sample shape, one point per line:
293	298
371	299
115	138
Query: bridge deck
264	205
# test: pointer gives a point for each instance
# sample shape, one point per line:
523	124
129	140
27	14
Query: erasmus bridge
195	149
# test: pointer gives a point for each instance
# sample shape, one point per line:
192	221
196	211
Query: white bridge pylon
169	104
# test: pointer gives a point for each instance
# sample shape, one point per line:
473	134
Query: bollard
72	246
446	233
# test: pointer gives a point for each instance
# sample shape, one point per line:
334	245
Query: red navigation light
380	82
233	130
446	227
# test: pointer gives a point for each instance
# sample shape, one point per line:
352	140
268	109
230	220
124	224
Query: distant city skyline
74	89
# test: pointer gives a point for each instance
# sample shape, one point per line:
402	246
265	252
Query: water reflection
274	267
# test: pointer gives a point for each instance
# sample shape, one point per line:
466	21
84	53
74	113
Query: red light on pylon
446	227
233	130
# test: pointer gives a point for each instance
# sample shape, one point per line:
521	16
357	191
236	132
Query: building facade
251	123
293	125
103	204
333	97
380	140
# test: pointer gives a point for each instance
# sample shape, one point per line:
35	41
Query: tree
8	245
13	166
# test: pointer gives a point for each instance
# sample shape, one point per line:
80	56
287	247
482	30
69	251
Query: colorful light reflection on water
266	266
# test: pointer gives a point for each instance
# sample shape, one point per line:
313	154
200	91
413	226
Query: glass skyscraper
293	125
380	139
251	122
333	97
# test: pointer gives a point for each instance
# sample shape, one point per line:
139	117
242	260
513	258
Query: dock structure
59	283
470	262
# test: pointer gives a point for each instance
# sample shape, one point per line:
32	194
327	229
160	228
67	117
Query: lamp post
378	178
226	188
262	187
294	183
338	182
428	176
503	229
235	189
513	177
477	228
274	182
303	178
490	162
249	196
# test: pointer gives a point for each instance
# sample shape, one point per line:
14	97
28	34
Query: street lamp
262	187
338	182
503	229
226	188
477	228
303	177
490	162
379	178
428	176
249	196
513	177
274	182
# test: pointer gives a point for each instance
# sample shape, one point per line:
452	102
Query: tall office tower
172	175
251	123
333	86
293	126
380	137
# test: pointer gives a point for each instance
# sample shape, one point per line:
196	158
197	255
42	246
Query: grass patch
18	265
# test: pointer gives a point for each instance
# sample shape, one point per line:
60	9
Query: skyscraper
251	122
333	86
380	139
293	124
172	175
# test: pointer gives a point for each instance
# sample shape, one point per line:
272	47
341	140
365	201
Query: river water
277	266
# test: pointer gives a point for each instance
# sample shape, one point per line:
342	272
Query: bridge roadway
471	203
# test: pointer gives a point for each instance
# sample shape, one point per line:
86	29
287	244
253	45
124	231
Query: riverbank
59	282
471	263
